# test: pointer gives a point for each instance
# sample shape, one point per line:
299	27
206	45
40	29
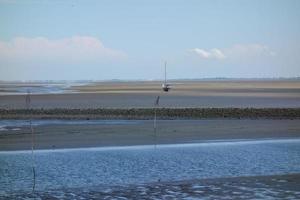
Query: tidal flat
271	93
177	171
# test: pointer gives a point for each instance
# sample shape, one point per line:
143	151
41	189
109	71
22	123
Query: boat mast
165	72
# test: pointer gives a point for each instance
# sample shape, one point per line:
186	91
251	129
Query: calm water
17	124
38	89
88	167
7	88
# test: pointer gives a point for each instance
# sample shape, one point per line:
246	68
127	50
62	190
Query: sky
111	39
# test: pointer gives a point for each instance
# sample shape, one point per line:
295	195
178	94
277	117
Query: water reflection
121	166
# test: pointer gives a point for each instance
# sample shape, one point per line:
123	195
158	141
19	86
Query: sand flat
141	133
234	93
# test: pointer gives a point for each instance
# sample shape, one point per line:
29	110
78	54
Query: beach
142	94
215	139
155	100
98	133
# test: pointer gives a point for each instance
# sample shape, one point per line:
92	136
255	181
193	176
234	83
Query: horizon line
172	79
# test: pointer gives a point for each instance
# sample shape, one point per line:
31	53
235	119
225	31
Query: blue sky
70	40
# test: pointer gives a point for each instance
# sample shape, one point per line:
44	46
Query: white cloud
77	48
239	51
209	54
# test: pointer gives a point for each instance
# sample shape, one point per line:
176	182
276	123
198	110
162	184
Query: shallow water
38	88
71	168
17	124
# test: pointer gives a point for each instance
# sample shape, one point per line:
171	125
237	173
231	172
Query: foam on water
5	124
203	143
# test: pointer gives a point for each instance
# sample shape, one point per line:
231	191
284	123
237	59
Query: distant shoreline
148	113
148	80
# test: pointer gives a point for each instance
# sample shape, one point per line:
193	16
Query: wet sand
141	132
185	94
257	187
222	93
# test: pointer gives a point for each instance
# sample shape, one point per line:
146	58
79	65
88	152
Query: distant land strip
148	113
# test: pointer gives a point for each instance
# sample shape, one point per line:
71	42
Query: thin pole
32	150
156	104
28	105
155	135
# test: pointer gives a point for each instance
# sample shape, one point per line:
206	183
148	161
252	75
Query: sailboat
165	86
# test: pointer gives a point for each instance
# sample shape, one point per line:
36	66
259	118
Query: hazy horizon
174	79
